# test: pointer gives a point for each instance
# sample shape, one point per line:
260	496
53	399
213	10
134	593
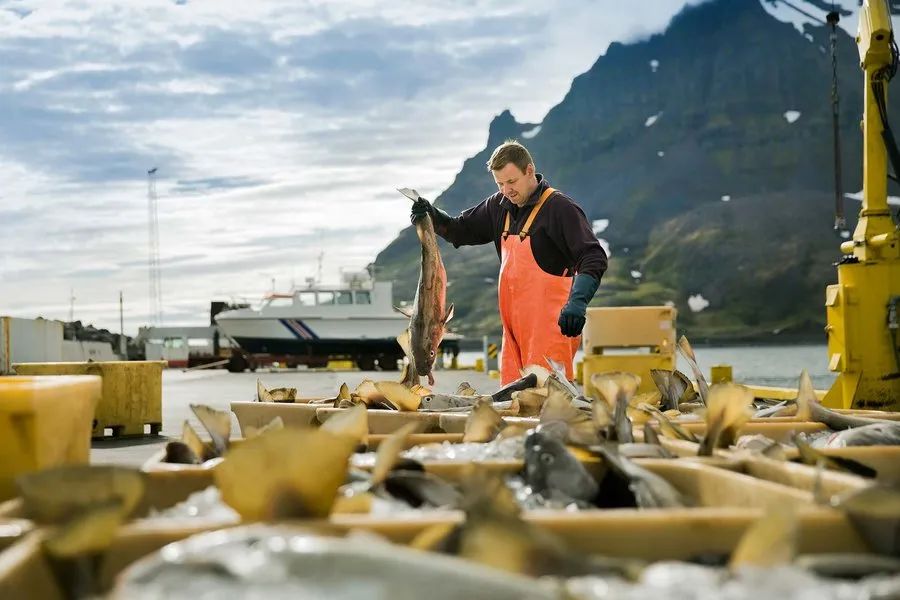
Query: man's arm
472	227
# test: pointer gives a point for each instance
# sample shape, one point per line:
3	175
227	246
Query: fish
848	566
886	433
287	473
771	411
668	427
559	376
289	561
650	435
551	468
190	450
429	314
811	456
367	393
809	409
494	534
443	402
505	393
617	388
875	512
674	388
530	401
398	395
283	394
217	424
771	541
352	423
729	407
273	425
649	489
685	349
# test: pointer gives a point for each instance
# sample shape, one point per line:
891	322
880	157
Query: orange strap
534	211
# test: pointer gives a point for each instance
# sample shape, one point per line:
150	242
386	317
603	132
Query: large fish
429	314
551	468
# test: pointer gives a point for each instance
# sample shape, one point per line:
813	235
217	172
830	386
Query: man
550	260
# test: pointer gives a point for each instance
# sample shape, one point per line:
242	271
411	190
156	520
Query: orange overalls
530	302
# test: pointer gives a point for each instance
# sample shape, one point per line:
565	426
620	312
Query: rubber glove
572	315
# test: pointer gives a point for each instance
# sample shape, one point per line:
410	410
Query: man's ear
529	170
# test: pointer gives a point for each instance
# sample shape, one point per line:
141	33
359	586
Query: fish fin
449	314
406	311
409	193
770	541
683	387
465	389
404	340
262	394
398	395
189	438
89	532
483	423
434	537
806	397
729	407
541	372
389	451
354	423
273	425
344	392
684	347
291	472
650	435
774	451
217	423
85	486
668	427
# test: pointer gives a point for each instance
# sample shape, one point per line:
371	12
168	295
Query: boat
313	324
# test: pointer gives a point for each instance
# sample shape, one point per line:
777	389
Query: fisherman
550	260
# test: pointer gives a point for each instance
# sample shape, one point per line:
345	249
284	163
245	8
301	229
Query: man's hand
572	316
420	208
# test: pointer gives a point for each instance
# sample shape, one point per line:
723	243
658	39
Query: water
762	365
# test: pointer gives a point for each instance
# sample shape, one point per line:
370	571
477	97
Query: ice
684	581
791	115
207	504
528	499
697	303
652	119
531	132
500	449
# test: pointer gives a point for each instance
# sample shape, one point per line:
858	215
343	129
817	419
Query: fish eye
431	354
547	459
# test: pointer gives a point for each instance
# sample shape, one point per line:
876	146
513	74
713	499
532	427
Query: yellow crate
132	392
639	364
629	327
44	422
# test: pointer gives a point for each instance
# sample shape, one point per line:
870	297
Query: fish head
543	455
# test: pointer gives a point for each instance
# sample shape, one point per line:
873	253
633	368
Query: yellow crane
863	308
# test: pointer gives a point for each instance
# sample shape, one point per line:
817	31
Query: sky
280	130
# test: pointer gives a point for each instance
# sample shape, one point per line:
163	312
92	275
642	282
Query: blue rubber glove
572	315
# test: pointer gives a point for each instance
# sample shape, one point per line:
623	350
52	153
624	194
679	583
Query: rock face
708	148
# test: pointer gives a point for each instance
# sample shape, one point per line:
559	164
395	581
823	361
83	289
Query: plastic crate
131	397
44	422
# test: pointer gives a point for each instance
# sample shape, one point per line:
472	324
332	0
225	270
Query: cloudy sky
280	129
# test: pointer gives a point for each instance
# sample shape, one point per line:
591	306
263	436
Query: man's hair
510	151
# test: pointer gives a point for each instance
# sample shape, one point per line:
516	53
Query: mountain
708	148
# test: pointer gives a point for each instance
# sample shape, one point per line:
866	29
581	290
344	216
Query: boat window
363	298
281	302
326	297
344	298
306	298
198	342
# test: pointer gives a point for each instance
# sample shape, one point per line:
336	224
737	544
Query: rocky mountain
708	149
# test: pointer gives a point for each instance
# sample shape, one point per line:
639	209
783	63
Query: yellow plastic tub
131	398
44	422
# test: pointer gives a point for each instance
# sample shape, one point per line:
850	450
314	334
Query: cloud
280	131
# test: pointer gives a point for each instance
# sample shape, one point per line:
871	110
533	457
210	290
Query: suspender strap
534	211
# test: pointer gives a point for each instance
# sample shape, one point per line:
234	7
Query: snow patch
809	37
726	198
605	245
654	64
803	13
531	132
600	225
858	196
651	120
697	303
636	274
660	154
845	234
791	115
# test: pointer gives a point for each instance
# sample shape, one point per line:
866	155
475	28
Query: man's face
514	184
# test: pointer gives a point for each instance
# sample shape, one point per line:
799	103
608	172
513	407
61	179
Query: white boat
354	320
